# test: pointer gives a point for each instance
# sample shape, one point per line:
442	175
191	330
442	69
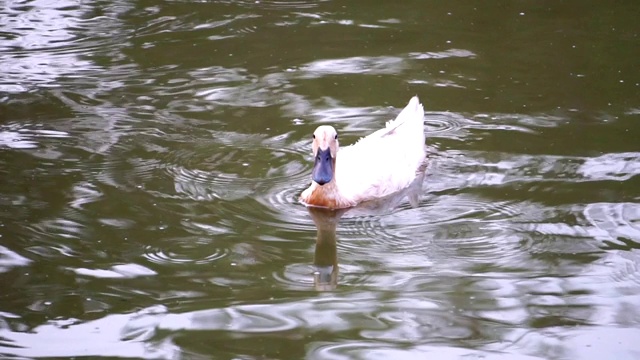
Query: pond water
152	154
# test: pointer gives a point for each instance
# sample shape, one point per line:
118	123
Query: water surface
152	155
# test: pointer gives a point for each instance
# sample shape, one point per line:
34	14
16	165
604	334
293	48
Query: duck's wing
385	161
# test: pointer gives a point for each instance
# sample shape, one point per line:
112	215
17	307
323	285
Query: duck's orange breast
320	198
325	196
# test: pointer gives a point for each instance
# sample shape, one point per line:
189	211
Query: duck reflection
326	221
326	256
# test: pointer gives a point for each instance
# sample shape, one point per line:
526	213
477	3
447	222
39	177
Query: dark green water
152	154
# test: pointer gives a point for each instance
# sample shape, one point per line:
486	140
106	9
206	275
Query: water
152	155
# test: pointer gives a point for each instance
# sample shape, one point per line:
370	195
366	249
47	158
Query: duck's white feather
385	161
381	163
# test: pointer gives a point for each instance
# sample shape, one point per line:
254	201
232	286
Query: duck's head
325	148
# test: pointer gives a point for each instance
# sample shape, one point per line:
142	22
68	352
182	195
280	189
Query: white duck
378	165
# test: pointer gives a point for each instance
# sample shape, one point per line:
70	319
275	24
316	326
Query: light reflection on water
152	158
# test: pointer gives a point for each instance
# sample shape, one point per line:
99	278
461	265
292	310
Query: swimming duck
377	165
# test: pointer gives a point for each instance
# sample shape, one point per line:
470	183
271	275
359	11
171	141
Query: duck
378	165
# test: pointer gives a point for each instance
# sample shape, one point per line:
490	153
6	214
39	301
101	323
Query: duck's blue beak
323	167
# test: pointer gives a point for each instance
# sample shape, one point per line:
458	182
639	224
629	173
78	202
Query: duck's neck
327	195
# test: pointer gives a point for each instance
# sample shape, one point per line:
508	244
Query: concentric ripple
452	228
202	185
184	250
207	183
296	277
252	164
445	124
286	181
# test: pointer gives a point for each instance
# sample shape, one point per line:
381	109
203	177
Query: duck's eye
336	137
314	136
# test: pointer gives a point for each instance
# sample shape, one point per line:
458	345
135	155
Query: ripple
43	44
369	227
282	194
25	136
195	170
355	120
84	193
378	350
184	250
116	338
458	127
275	4
202	185
63	228
322	277
494	247
382	65
123	271
120	169
241	153
472	169
437	123
10	259
619	223
284	182
237	88
625	272
284	206
296	276
257	185
456	228
612	284
450	209
615	166
450	53
410	325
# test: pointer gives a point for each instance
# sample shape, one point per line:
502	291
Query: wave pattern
152	157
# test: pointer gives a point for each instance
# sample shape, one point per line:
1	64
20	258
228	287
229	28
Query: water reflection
152	154
44	41
327	221
326	256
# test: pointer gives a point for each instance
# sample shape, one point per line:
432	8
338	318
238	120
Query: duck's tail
409	124
407	128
